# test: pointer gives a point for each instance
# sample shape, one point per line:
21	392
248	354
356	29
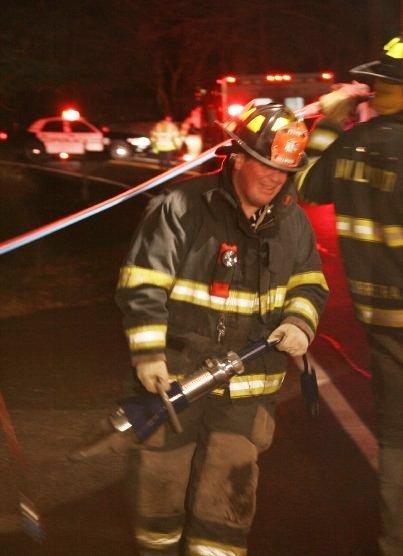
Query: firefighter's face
256	183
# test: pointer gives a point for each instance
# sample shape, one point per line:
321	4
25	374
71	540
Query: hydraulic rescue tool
143	414
146	413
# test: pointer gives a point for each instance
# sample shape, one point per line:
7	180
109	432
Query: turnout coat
177	294
361	172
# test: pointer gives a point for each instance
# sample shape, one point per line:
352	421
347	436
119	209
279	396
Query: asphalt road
64	359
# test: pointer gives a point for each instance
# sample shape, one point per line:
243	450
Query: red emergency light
70	114
3	136
278	77
230	79
327	75
235	109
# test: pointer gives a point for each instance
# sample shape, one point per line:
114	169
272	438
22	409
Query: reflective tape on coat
256	384
368	230
147	337
380	317
205	547
156	540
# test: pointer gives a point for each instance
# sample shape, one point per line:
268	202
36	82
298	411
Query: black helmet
271	133
389	67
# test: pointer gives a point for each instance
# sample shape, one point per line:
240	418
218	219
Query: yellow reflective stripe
152	539
204	547
321	139
273	299
132	276
369	230
394	48
147	337
279	123
314	277
245	303
255	384
198	294
304	307
358	171
380	317
255	124
382	291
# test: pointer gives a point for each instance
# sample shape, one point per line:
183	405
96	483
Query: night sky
138	59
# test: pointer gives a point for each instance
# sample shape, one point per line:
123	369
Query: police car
62	136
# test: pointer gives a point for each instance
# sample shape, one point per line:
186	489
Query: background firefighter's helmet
390	65
270	133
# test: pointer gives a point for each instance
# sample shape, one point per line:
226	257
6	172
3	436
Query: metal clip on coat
144	414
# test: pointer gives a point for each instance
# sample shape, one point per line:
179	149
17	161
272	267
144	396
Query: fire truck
295	90
232	92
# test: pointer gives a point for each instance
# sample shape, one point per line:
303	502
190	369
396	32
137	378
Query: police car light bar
70	114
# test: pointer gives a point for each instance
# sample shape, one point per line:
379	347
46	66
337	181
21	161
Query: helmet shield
270	133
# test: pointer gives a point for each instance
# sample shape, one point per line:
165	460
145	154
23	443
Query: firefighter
192	139
166	141
361	172
220	260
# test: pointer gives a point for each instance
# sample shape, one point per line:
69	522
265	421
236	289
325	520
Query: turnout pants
387	375
194	493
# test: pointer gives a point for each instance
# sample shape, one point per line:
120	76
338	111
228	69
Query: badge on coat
227	260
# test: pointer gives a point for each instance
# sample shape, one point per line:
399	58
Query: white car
63	136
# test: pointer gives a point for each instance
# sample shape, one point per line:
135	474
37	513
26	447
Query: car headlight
139	142
122	151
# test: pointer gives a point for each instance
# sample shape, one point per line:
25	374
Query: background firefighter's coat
362	174
165	137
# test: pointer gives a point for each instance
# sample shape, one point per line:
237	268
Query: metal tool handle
173	418
257	348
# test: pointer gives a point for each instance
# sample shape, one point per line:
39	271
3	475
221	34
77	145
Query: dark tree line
136	59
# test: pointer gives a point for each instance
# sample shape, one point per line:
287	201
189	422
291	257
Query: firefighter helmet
270	133
390	65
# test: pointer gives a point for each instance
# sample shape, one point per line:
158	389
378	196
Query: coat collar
280	208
